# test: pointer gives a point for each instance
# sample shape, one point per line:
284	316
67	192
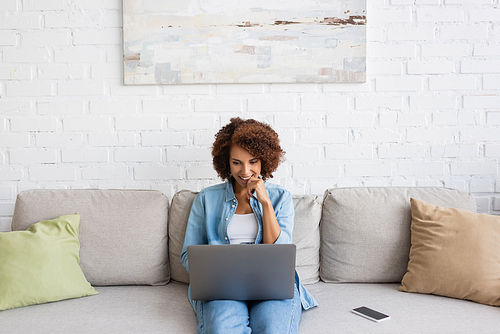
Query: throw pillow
454	253
41	264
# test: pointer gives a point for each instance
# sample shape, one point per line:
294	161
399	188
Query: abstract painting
237	41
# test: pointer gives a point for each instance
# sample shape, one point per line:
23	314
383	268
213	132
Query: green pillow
41	264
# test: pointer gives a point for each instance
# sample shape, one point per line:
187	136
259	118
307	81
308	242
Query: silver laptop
242	272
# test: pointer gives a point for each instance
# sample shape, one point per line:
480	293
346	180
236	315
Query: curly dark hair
256	137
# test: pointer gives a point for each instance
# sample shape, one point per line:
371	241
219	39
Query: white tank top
242	228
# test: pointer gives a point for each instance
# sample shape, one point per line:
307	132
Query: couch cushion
40	265
305	235
117	309
123	233
454	253
365	232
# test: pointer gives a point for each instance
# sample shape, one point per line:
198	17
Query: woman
245	209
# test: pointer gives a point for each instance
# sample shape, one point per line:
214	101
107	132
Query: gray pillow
305	235
123	233
365	232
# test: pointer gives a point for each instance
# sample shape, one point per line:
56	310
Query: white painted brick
88	155
480	66
316	171
192	121
80	88
402	2
368	169
402	183
443	14
201	172
389	15
350	120
480	134
8	5
106	173
384	67
423	33
34	124
413	119
37	5
271	105
469	118
402	151
376	136
324	104
301	154
206	138
187	89
462	32
11	174
68	20
346	87
456	184
445	118
39	39
293	88
492	49
29	89
58	140
78	55
113	107
319	136
111	139
493	118
15	108
138	123
491	82
165	139
157	173
468	2
452	82
6	193
388	120
8	39
482	186
382	50
88	4
120	90
110	70
430	67
429	183
98	37
189	154
484	14
295	120
496	204
6	209
166	106
483	204
385	102
446	50
492	151
59	72
26	56
90	124
52	174
61	108
374	34
14	140
239	89
21	22
138	155
433	102
33	157
482	102
13	72
496	31
349	152
421	168
431	135
474	168
406	84
218	105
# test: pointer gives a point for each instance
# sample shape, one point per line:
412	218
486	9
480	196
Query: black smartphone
368	313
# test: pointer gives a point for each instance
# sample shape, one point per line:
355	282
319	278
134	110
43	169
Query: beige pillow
454	253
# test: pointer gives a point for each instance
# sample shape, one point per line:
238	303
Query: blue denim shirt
213	209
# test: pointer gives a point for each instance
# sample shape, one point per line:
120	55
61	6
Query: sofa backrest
122	233
365	232
305	235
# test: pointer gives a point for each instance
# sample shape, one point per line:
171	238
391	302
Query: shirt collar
230	192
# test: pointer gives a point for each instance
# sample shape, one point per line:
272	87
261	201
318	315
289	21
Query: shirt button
225	238
227	218
233	206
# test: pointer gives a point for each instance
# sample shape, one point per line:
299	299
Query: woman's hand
256	185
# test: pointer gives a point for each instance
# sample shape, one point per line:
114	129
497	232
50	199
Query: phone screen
371	313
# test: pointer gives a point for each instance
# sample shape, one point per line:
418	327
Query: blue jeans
242	317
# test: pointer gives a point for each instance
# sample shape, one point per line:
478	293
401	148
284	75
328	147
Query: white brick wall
428	115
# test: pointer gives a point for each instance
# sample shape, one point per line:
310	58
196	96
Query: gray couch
352	250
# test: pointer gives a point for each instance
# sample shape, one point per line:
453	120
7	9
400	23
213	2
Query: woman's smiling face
243	166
